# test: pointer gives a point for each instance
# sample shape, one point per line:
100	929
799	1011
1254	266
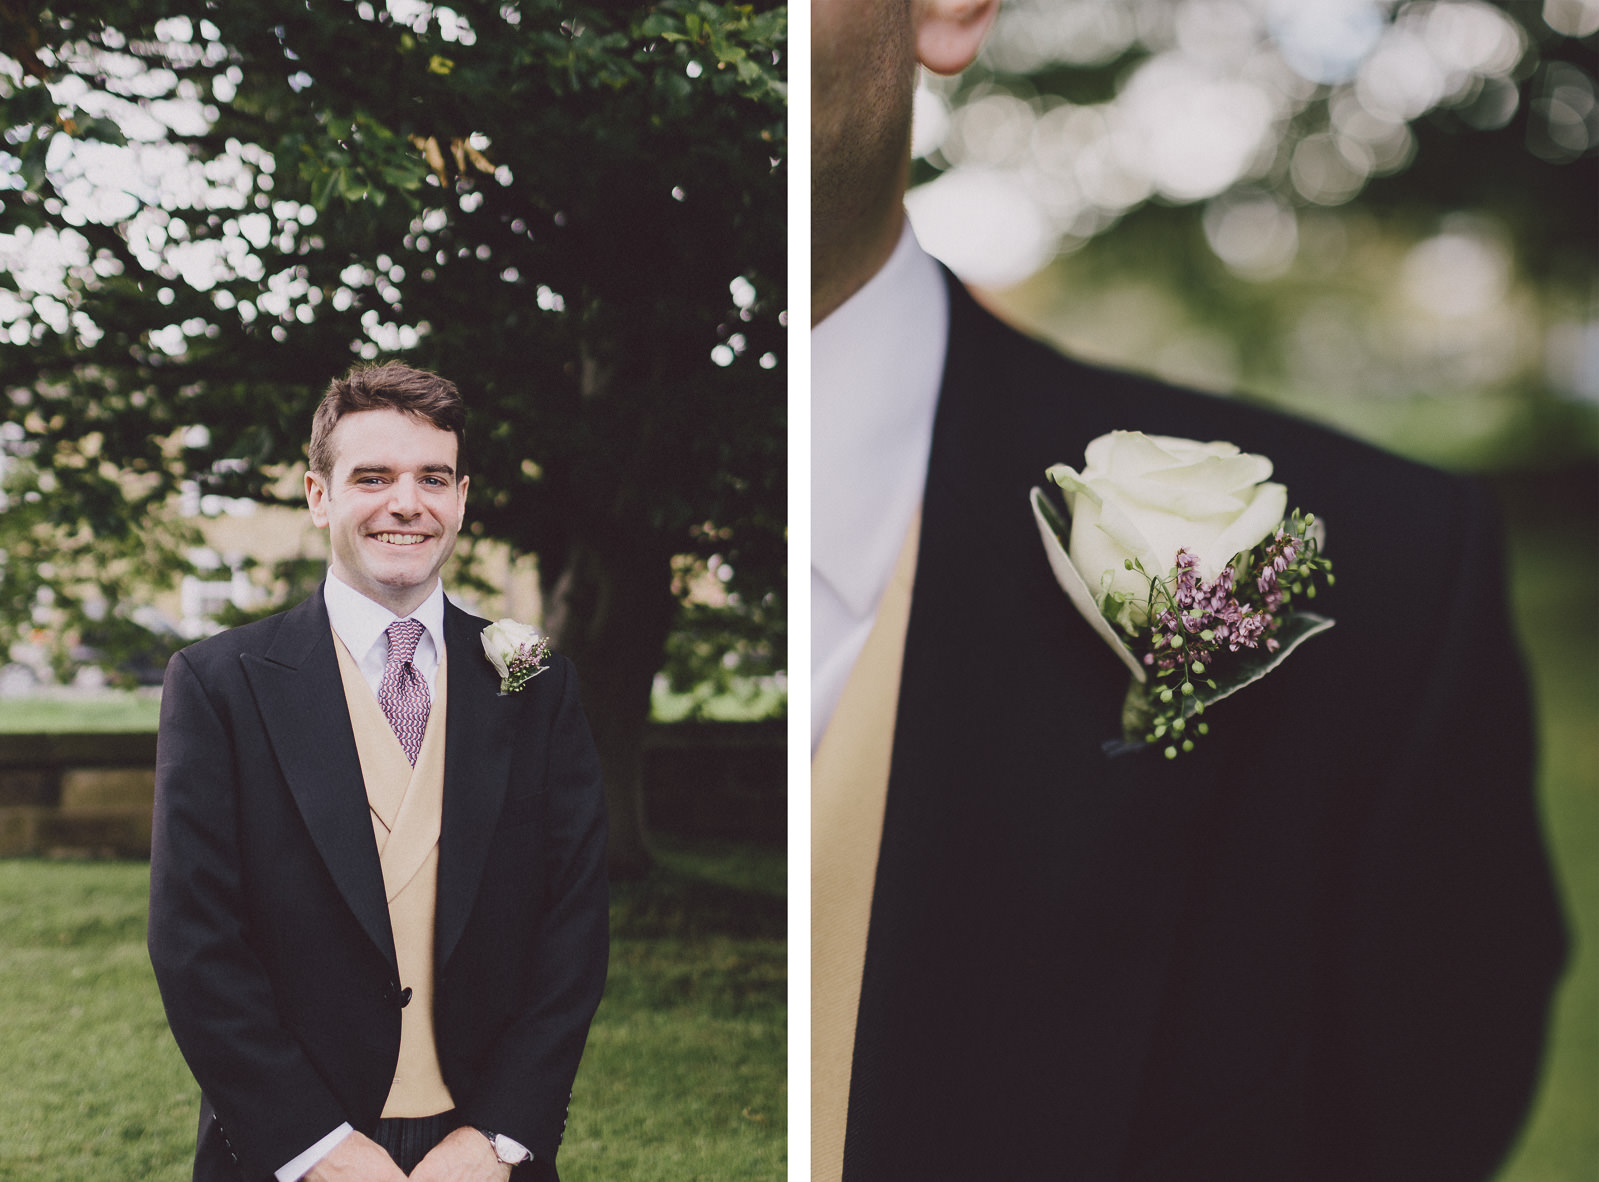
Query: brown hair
390	386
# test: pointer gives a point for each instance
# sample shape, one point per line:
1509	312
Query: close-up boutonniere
517	652
1183	557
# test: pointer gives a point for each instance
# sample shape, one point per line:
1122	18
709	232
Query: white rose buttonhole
1180	556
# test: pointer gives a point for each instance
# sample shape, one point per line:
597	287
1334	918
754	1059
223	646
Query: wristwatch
509	1152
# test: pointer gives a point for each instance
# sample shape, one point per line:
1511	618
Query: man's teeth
401	539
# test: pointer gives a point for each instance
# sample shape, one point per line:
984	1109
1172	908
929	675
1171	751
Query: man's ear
950	32
316	497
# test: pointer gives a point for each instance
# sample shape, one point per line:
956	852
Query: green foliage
293	579
1483	143
735	651
567	208
77	544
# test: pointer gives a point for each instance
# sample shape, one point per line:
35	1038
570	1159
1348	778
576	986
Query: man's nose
404	500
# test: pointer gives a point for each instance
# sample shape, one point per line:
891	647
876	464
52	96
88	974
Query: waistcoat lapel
849	781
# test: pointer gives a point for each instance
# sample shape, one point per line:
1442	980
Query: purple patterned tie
402	693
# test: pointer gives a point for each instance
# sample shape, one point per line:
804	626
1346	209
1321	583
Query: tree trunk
610	611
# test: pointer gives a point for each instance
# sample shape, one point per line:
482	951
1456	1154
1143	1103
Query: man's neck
843	263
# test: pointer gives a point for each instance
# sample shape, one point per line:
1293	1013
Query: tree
576	211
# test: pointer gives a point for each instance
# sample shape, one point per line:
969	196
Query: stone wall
91	795
76	795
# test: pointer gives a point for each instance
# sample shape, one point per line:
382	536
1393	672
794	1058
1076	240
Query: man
1319	947
378	903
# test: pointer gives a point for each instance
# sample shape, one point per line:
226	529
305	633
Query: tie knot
403	637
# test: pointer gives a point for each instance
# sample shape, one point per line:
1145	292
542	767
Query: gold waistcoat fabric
407	806
849	786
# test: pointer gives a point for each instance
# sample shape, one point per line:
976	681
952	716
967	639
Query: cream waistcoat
407	806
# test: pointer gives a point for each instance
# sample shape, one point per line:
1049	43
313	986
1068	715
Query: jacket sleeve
525	1086
1453	938
269	1100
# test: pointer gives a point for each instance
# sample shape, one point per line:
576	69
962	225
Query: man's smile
400	539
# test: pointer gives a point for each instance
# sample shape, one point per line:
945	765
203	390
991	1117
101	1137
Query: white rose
503	639
1149	496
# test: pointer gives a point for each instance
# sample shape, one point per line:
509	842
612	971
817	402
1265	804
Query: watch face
508	1151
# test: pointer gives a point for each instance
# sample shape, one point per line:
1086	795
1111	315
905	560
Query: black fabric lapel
1027	885
477	765
300	695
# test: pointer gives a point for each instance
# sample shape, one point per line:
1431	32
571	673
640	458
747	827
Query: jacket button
395	996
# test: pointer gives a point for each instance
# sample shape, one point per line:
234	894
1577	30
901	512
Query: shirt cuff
307	1161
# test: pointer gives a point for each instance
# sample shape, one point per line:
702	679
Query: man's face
392	505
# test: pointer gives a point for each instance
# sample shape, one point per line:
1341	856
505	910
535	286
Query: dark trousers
408	1139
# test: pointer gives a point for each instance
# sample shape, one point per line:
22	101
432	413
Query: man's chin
391	585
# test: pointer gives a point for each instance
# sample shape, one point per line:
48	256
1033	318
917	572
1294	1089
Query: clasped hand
464	1156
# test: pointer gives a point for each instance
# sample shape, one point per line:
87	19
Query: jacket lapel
1028	887
300	695
477	766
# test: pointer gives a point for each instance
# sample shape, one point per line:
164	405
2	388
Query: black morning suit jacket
269	930
1320	947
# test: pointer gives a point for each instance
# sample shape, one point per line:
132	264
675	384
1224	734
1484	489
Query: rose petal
1251	527
1217	474
1071	581
1148	494
1072	484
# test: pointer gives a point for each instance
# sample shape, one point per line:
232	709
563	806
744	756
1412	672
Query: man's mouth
401	539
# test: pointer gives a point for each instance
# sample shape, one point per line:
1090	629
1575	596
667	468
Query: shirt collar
361	622
876	365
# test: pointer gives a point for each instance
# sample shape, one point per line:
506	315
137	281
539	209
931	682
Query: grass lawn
685	1076
98	712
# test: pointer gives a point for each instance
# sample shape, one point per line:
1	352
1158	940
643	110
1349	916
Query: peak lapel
477	765
300	695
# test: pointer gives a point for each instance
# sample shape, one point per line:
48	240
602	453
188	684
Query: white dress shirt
876	366
362	623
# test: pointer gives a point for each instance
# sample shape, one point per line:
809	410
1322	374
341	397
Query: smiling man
377	900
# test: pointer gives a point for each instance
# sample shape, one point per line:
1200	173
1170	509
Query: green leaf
105	131
1248	666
